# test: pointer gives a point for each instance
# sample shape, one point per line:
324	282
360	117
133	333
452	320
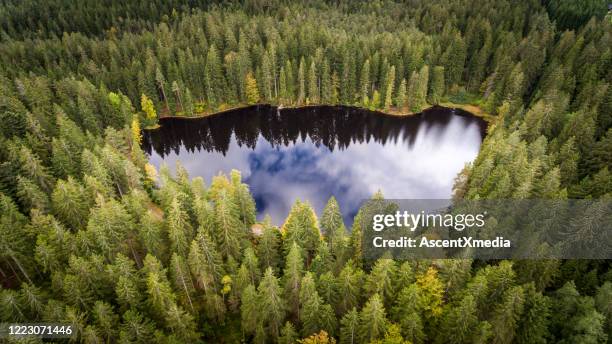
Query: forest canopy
93	236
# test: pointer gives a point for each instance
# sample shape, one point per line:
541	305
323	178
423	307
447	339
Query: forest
94	236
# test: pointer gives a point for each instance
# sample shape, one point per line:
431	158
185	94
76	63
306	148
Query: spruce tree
252	92
436	91
372	320
272	305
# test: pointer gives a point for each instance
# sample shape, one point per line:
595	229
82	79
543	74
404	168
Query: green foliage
252	93
90	236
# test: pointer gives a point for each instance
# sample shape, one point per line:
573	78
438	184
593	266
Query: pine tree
283	88
292	277
459	323
335	85
301	95
331	218
213	80
161	83
266	71
350	281
382	279
251	262
268	247
301	227
288	334
431	292
407	312
30	195
69	203
249	310
349	331
148	108
507	315
180	231
252	92
228	224
365	80
188	106
534	323
272	306
243	200
176	89
181	277
400	98
372	320
310	305
389	89
205	263
326	83
602	304
436	91
313	84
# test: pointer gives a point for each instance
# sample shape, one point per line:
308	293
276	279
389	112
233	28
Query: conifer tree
507	315
437	85
365	80
313	84
533	324
268	247
349	331
310	305
389	89
70	204
350	281
460	323
214	81
180	231
272	306
229	233
205	263
381	279
407	312
243	200
266	71
331	218
288	334
400	98
181	277
292	277
301	82
252	92
372	320
250	311
301	227
431	293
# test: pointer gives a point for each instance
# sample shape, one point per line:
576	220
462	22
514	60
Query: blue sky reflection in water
315	153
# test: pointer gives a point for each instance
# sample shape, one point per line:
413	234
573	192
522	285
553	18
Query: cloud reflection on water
418	161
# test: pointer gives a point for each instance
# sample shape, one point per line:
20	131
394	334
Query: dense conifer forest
93	236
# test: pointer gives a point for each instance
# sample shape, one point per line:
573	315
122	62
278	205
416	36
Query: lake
313	153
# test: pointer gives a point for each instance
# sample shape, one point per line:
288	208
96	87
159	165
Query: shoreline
474	110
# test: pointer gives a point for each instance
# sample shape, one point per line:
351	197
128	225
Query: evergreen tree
272	306
372	320
292	276
301	227
349	327
436	91
252	93
400	99
313	84
389	90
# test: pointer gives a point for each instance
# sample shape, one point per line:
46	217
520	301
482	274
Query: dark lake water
314	153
